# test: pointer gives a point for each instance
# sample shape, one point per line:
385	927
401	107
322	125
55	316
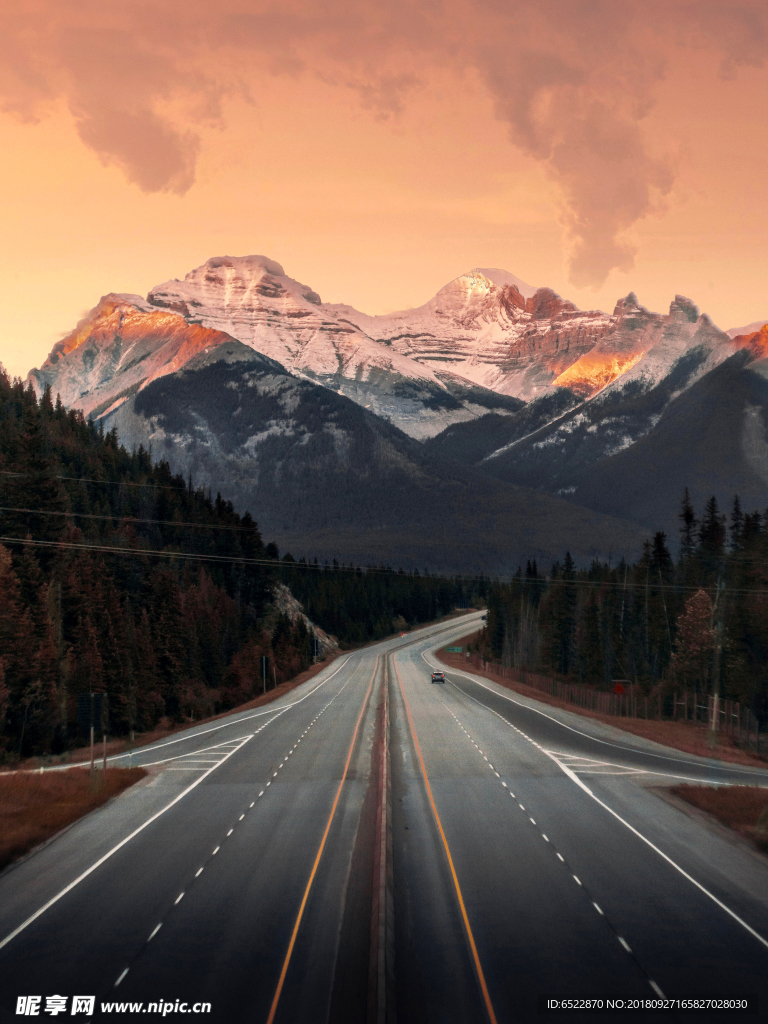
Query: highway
376	848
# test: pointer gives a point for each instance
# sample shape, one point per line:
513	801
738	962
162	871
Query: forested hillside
118	577
661	623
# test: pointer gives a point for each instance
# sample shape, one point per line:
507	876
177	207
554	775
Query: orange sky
381	150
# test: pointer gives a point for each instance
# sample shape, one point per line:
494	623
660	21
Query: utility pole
92	764
717	627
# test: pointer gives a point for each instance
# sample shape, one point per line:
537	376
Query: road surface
305	863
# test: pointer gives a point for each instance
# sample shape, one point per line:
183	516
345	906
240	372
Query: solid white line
574	778
718	766
100	861
661	853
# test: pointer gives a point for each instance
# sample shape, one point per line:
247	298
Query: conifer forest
696	622
118	577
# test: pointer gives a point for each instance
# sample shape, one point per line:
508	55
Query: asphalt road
527	856
577	878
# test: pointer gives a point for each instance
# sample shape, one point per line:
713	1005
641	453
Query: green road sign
454	650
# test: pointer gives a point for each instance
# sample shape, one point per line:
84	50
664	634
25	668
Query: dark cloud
571	80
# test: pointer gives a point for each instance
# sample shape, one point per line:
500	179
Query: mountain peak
231	282
682	308
251	264
629	302
503	277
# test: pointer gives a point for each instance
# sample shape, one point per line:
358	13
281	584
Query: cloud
571	80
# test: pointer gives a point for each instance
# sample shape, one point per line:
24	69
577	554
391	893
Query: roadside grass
742	808
34	807
688	737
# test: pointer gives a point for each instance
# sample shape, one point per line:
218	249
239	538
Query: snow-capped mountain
693	413
511	381
325	477
125	342
253	300
486	343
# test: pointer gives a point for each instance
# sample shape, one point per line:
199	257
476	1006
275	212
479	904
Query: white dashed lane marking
227	749
560	857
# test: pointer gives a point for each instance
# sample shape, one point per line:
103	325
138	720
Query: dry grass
35	807
742	808
689	737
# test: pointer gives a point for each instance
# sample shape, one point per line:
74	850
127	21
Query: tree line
119	577
696	622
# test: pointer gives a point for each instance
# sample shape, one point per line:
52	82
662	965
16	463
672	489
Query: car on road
438	677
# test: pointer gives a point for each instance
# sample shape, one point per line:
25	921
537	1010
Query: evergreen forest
118	577
698	622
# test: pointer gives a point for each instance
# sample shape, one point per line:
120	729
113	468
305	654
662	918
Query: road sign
618	688
454	650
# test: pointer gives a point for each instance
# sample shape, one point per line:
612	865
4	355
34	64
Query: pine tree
737	524
688	523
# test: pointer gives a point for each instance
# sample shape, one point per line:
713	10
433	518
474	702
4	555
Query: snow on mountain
503	277
486	342
483	328
661	343
120	347
251	299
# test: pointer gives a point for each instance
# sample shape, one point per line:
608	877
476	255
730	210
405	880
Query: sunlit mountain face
244	376
486	343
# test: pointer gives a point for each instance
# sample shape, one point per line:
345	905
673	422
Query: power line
129	519
233	559
182	487
365	570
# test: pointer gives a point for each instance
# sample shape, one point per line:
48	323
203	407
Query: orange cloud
572	80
